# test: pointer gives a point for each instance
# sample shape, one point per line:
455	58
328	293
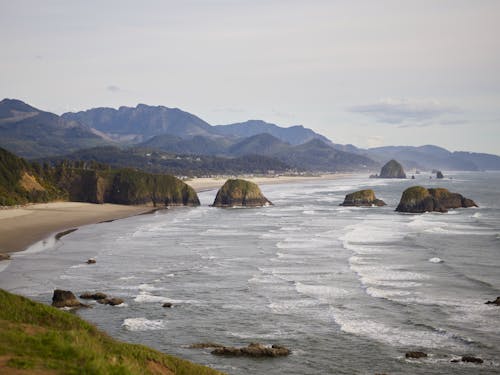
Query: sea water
349	290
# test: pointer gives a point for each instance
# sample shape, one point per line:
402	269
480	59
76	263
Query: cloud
113	89
408	112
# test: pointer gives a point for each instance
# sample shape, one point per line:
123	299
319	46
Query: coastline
209	183
24	226
21	227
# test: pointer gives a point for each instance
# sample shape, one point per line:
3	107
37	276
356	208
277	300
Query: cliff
418	199
362	198
23	182
240	193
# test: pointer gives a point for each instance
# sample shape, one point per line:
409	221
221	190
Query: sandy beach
23	226
208	183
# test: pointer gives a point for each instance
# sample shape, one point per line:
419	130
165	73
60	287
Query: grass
36	338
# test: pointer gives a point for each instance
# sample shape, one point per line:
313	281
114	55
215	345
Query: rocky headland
418	199
362	198
240	193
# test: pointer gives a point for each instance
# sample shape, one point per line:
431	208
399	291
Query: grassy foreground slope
36	338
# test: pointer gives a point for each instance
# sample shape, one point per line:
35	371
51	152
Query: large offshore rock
392	169
418	199
362	198
237	192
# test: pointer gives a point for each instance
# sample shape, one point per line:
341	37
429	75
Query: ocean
349	290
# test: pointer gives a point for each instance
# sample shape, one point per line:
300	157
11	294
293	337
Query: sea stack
240	193
439	174
392	169
418	199
362	198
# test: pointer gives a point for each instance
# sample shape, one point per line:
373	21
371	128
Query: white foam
143	324
323	293
4	264
79	266
289	306
145	297
396	336
127	278
476	215
436	260
149	288
37	247
309	212
386	293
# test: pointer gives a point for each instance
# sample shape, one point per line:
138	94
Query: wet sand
21	227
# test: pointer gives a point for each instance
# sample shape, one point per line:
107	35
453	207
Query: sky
368	73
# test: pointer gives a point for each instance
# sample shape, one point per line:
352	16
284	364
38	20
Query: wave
400	335
143	324
323	293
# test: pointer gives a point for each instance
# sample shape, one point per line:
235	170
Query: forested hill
24	182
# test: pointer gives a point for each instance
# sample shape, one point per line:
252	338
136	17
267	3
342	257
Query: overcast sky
369	73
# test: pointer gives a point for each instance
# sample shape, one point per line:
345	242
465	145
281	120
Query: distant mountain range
32	133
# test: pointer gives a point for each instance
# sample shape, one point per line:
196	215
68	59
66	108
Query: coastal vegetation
24	182
42	339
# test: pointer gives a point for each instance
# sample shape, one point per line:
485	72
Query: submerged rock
415	355
418	199
94	296
253	350
91	261
495	302
110	301
362	198
471	359
4	257
65	298
236	192
205	345
392	169
167	305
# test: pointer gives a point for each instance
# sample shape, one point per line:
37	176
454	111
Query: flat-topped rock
415	355
242	193
362	198
418	199
253	350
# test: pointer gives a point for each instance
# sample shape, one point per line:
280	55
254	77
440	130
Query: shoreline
21	227
201	184
24	226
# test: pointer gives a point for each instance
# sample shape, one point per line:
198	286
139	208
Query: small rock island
240	193
392	169
418	199
362	198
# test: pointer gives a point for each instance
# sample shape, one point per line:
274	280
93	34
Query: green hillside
35	338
